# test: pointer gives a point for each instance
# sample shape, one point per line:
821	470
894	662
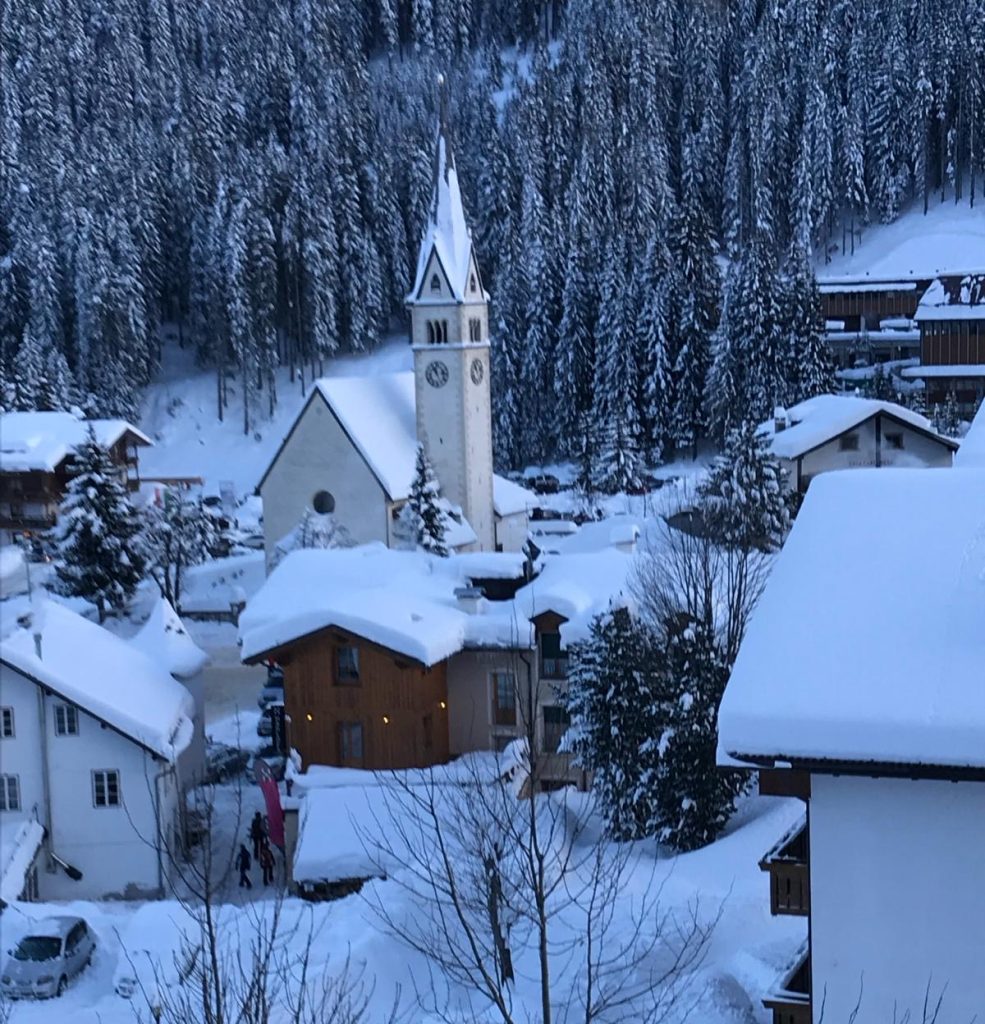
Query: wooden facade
860	309
388	712
952	342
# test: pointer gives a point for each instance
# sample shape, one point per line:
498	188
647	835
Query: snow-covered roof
971	454
817	420
405	600
510	499
106	676
446	233
20	840
164	639
948	239
379	415
402	600
579	587
944	370
42	440
965	300
868	644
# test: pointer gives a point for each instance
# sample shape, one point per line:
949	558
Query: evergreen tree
99	556
743	501
691	797
946	420
421	518
177	534
316	530
807	369
614	699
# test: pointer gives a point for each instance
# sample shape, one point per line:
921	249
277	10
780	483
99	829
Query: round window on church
324	503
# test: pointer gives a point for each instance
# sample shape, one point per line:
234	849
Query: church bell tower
449	312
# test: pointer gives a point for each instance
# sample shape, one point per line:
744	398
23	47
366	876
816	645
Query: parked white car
52	953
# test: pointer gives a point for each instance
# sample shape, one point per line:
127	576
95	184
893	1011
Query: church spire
446	234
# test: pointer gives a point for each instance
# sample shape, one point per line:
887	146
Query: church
351	451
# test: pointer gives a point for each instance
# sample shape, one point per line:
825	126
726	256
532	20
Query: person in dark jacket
267	863
258	833
243	862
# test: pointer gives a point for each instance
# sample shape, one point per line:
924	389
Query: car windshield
38	947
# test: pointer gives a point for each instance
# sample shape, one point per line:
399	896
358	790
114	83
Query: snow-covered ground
746	950
179	415
949	238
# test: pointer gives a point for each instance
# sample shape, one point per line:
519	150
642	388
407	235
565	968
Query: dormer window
436	283
473	286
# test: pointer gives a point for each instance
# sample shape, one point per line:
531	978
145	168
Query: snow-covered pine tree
743	501
613	697
587	455
177	533
421	517
690	797
652	347
946	419
315	530
808	369
28	378
98	550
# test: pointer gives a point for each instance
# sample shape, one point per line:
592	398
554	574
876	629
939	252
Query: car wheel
62	985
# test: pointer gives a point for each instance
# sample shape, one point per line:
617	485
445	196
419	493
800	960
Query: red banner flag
271	794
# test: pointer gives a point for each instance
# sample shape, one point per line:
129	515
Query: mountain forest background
648	182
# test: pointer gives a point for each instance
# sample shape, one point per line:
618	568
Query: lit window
6	723
347	665
848	442
10	793
106	789
66	720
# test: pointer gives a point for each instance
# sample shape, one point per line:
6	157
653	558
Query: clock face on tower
436	374
476	371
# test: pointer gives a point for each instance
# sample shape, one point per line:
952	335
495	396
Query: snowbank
164	639
20	840
217	585
868	644
971	454
105	676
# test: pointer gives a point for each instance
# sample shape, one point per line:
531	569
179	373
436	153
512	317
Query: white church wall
319	456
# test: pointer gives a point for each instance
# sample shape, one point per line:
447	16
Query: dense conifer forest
647	180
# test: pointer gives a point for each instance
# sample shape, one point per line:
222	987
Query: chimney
779	419
469	599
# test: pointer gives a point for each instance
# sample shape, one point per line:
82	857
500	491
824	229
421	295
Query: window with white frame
10	793
66	720
6	723
106	788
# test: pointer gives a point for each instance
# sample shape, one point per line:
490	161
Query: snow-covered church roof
820	419
446	233
42	440
868	644
379	415
106	676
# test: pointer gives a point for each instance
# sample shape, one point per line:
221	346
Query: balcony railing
786	862
790	1000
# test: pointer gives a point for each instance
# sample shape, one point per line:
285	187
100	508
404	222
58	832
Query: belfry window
473	286
437	332
435	283
475	330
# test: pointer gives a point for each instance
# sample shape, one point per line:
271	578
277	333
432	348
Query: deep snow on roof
20	840
104	675
164	639
445	231
379	414
402	600
964	301
41	440
971	454
405	600
819	419
868	643
950	238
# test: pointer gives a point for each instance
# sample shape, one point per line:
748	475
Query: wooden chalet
36	463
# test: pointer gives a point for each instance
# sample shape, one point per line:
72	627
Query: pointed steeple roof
446	233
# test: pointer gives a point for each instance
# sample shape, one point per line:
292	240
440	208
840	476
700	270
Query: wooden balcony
790	1000
786	862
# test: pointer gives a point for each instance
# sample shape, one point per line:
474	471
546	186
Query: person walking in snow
243	863
258	833
267	863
